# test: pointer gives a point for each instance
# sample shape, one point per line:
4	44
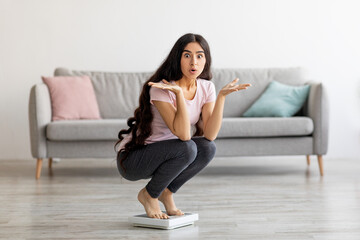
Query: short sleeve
211	93
157	94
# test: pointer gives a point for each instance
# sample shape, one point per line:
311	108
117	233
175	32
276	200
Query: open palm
233	87
165	85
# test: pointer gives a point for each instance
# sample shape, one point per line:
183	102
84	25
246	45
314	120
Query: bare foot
167	199
151	205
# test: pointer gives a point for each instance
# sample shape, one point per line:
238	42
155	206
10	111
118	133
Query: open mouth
193	70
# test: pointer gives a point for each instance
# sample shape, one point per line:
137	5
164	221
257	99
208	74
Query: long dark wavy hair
170	69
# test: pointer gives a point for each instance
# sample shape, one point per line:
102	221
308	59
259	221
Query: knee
189	150
209	149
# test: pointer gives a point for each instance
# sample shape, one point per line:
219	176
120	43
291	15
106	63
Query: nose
193	61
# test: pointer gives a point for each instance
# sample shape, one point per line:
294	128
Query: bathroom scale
143	220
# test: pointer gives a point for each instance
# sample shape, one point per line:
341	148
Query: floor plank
236	198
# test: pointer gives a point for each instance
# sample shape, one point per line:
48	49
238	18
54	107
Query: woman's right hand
166	85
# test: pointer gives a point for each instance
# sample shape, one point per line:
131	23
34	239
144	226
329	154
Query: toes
157	216
178	212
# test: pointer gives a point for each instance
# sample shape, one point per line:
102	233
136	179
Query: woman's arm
212	113
177	119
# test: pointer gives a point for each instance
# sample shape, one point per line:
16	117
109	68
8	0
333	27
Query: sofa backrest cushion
237	103
118	93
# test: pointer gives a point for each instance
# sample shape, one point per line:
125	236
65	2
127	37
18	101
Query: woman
159	144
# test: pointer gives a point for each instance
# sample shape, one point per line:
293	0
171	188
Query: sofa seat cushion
89	130
107	129
266	127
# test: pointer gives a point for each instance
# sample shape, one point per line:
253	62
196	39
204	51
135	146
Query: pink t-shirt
205	93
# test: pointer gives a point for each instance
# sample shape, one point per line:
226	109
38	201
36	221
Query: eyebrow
191	52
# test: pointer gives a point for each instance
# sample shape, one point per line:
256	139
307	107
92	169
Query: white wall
135	35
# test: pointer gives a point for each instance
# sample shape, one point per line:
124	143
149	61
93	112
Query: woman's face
192	60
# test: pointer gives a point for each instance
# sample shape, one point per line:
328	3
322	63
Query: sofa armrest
39	117
318	111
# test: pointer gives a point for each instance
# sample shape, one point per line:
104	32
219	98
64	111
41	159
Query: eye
186	55
200	56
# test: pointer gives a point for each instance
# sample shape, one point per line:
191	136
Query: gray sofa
117	96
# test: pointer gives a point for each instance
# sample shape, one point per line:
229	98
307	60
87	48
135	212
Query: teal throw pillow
279	100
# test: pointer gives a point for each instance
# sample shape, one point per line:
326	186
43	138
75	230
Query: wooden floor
236	198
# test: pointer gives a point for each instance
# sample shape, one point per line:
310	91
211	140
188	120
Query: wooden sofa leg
308	159
320	160
50	163
38	168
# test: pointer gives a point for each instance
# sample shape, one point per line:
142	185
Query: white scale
173	222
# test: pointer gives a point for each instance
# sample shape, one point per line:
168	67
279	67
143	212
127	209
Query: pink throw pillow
72	98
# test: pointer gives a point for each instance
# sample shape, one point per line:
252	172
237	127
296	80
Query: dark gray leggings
168	163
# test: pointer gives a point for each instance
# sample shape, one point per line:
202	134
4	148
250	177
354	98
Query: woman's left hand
233	87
